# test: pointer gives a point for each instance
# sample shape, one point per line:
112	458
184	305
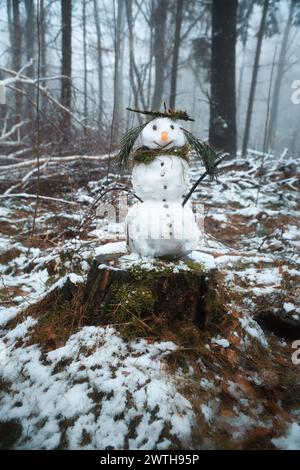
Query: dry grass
59	314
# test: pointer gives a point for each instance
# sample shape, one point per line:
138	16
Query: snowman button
162	163
165	186
166	206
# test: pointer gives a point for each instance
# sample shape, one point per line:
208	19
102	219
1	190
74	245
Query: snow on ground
107	386
291	441
99	390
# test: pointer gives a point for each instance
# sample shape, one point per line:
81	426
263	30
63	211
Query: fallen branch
54	160
7	134
33	196
25	178
18	77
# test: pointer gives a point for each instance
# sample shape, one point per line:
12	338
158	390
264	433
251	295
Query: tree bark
99	61
134	72
10	24
43	39
188	297
174	71
160	21
30	27
222	127
66	68
85	73
254	77
149	81
134	88
16	53
117	122
278	80
29	33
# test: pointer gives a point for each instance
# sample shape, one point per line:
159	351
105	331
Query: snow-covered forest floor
66	385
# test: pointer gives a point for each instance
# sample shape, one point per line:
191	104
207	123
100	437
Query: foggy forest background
71	68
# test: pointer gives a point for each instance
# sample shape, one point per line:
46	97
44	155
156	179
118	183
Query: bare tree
135	74
42	20
222	127
278	80
85	73
178	23
9	21
132	64
29	32
254	77
160	21
99	61
66	68
30	25
16	52
118	83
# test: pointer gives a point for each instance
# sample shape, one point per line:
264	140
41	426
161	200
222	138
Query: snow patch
291	441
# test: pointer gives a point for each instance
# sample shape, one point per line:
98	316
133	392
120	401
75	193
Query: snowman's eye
154	127
172	127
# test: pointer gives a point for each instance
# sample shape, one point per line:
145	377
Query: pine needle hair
202	149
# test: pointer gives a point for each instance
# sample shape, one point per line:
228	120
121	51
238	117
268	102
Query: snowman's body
160	225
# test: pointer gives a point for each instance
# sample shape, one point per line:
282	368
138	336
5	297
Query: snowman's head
162	133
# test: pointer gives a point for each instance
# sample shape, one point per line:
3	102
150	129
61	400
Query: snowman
159	225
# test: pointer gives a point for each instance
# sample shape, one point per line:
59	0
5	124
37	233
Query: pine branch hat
202	149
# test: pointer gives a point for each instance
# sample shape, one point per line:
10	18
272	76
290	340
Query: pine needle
203	151
127	143
169	113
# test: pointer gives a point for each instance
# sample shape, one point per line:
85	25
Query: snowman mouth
163	146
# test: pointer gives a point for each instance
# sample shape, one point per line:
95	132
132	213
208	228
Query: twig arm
187	197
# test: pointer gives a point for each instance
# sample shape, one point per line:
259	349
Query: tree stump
147	300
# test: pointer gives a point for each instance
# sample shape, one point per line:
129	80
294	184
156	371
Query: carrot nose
164	136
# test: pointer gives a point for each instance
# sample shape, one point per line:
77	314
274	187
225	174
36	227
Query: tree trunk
134	72
160	21
10	24
134	88
117	123
178	23
100	61
43	40
30	27
85	93
149	81
278	80
254	77
66	69
29	33
240	83
222	127
16	54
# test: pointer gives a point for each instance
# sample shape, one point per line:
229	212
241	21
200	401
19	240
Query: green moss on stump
151	302
164	302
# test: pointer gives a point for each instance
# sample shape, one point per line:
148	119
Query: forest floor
66	385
